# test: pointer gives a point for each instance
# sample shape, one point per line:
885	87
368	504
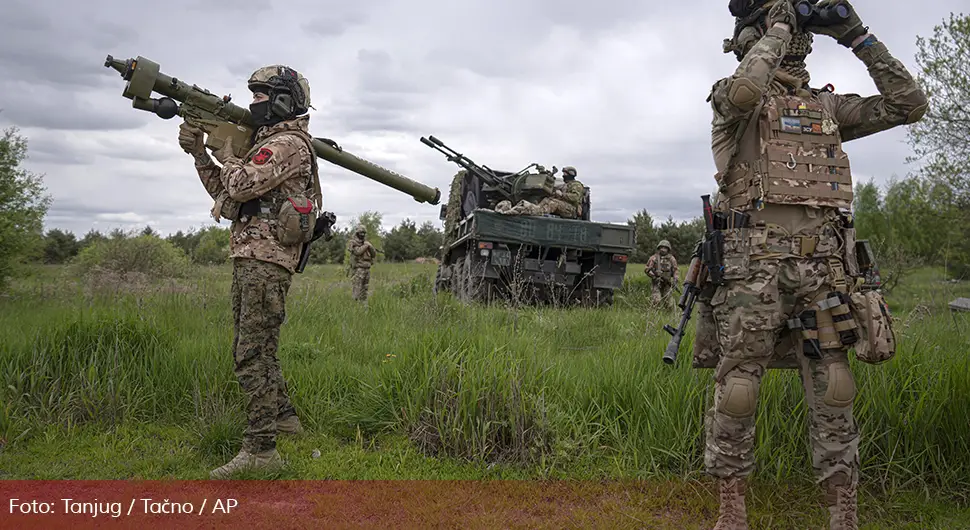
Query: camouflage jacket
664	268
573	192
362	253
900	100
279	160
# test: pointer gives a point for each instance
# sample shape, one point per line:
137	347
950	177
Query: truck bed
547	231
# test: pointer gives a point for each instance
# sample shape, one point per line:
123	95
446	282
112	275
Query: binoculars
809	14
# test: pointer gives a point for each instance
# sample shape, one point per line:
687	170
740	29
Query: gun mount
488	256
222	119
484	187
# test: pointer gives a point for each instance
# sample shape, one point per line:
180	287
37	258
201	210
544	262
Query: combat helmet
664	243
568	173
360	230
288	91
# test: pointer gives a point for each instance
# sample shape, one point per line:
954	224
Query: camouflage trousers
749	315
548	205
360	281
662	294
259	293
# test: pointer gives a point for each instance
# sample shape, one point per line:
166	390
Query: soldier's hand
845	30
225	152
783	12
191	140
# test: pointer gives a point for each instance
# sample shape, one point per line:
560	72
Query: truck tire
473	282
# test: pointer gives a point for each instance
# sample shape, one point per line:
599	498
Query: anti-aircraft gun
489	256
222	120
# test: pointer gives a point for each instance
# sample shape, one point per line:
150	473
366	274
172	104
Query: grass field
103	380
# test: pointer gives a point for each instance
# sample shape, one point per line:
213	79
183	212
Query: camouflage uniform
568	203
362	255
280	165
777	149
662	269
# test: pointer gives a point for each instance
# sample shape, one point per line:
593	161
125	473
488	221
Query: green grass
120	381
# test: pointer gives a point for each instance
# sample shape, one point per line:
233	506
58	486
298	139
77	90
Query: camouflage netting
453	210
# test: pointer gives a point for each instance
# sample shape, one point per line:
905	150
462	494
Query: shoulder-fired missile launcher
221	119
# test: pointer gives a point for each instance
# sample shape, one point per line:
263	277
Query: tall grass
569	392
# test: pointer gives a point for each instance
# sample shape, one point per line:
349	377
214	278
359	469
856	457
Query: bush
147	255
213	247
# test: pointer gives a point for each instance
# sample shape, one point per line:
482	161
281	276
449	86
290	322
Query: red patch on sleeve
262	156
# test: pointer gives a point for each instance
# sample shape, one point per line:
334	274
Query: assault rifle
713	245
696	277
706	265
323	228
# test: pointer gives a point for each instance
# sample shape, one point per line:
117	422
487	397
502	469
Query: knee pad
841	386
740	397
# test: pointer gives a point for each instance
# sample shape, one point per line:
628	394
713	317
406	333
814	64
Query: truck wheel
604	297
458	278
473	279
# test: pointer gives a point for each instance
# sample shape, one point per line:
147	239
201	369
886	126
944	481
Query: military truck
489	256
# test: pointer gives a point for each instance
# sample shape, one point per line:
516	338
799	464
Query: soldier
362	255
256	193
777	147
566	202
662	269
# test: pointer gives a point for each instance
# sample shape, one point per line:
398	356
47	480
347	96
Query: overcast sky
616	89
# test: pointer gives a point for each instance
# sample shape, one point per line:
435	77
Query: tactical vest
792	156
665	266
270	203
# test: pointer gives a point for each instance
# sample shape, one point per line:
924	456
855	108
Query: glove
783	11
190	139
844	31
225	152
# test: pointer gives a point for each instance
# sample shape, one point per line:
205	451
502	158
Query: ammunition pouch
295	220
830	326
295	216
850	257
877	343
772	241
225	207
736	254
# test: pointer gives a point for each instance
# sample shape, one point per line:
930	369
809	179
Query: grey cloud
332	24
68	114
42	49
244	6
493	79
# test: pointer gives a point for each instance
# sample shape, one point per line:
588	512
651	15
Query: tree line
923	218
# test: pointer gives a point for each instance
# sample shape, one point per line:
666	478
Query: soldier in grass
777	146
662	270
362	256
260	193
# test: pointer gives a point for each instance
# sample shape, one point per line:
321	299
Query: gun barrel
670	354
143	77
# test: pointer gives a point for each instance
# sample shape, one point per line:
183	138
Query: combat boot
289	425
733	515
841	501
246	461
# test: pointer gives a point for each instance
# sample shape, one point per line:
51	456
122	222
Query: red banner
341	504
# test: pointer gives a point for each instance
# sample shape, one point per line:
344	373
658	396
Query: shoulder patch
262	156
